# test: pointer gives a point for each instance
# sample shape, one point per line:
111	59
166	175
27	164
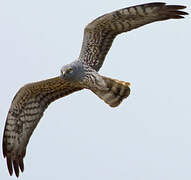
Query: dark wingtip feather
179	12
9	165
172	12
175	7
177	17
16	167
21	165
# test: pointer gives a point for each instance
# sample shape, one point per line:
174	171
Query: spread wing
100	33
24	114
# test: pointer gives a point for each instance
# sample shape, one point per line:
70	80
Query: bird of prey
31	100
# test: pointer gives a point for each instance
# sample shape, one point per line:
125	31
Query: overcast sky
80	137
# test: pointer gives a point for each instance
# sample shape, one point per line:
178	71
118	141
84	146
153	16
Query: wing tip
21	165
15	164
170	11
16	167
173	11
9	166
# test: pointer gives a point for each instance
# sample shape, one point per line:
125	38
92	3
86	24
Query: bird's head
73	71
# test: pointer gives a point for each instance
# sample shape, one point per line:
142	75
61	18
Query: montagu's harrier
31	100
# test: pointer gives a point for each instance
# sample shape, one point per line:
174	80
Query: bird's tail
115	92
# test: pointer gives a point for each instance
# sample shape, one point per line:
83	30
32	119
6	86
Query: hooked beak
62	74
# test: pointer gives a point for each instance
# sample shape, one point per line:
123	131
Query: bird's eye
70	70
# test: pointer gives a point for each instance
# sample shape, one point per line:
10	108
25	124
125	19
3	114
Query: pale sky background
148	137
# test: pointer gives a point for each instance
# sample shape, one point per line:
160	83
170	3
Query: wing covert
100	33
24	114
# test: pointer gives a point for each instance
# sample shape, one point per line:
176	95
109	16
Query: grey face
73	71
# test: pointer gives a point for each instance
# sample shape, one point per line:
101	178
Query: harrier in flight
30	102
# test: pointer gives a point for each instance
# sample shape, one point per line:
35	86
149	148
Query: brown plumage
24	114
31	100
100	33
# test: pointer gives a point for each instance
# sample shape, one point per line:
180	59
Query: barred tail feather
116	91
